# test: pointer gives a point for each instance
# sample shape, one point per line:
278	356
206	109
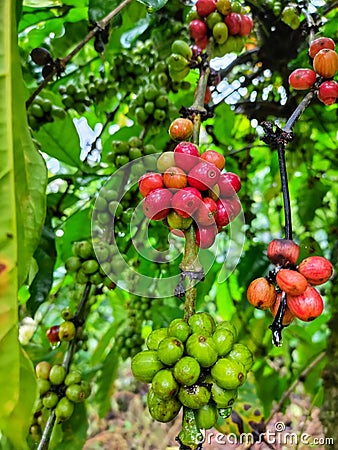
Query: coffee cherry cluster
42	111
84	265
191	187
179	60
196	364
325	66
129	339
223	20
296	281
58	391
125	151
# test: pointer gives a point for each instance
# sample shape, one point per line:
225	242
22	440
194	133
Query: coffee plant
169	225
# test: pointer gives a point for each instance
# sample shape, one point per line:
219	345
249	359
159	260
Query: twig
63	62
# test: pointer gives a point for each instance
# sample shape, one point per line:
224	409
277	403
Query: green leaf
106	380
309	199
60	140
224	122
153	5
45	256
97	9
130	36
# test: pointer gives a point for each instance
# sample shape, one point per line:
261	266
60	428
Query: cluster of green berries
84	265
58	391
130	340
124	151
197	364
179	60
42	111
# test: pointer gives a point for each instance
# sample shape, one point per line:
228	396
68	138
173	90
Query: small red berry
149	182
283	252
198	29
229	183
156	205
302	79
306	306
205	214
53	334
205	7
316	269
246	25
186	201
205	236
186	155
181	129
174	178
319	44
328	92
288	316
214	158
325	63
203	176
233	22
261	294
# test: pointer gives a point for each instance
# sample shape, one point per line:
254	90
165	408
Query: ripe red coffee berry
325	63
288	316
174	178
223	212
319	44
181	129
156	205
205	7
202	43
316	269
246	25
214	158
205	236
186	201
302	79
205	214
186	155
306	306
198	29
149	182
282	252
229	183
53	334
291	281
203	176
233	22
261	294
328	92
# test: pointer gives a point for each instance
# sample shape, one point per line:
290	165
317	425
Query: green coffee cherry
180	329
228	373
50	400
223	397
202	323
202	348
181	48
145	365
90	266
64	409
187	371
170	350
240	352
67	331
162	410
164	384
224	340
57	374
73	377
43	386
73	264
227	325
75	393
155	337
206	416
194	397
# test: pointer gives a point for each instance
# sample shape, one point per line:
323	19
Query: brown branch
63	62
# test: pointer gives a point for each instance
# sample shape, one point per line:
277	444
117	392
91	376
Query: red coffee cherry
53	334
325	63
174	178
198	30
246	25
156	205
233	22
302	79
222	216
186	201
205	214
149	182
186	155
261	294
319	44
288	316
328	92
283	251
203	176
316	269
205	236
306	306
291	282
214	158
229	183
205	7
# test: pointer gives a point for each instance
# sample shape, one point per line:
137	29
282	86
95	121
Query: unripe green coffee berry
194	396
223	397
90	266
170	350
145	365
180	329
73	377
67	331
66	313
42	370
57	374
64	409
155	337
43	386
240	352
50	400
206	416
202	348
164	384
227	325
224	340
203	323
187	371
73	264
162	410
75	393
228	373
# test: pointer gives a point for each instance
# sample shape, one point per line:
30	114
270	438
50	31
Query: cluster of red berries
296	281
191	187
224	20
325	65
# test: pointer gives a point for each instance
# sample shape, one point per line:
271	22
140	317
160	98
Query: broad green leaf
106	380
45	256
97	9
153	5
130	36
224	123
60	140
22	192
308	203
